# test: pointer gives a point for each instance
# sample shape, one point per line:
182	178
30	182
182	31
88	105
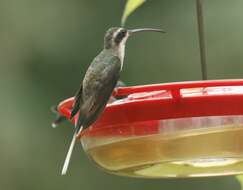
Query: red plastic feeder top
151	103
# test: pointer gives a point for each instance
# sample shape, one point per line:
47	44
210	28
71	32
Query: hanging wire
201	36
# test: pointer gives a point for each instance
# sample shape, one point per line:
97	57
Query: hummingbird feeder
182	129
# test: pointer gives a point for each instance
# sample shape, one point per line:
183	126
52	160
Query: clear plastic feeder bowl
187	129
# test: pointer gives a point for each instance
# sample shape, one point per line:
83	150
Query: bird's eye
120	36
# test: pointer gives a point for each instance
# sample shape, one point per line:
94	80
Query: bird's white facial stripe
121	46
117	32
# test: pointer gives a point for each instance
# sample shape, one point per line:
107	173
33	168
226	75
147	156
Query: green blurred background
45	48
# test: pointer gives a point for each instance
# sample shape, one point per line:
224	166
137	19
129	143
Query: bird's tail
78	129
69	153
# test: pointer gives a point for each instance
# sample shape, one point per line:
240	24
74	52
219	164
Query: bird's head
116	37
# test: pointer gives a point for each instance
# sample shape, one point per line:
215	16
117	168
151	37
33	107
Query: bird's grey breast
97	73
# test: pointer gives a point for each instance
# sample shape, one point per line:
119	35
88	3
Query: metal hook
201	36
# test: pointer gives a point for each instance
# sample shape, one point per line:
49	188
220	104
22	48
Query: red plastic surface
151	103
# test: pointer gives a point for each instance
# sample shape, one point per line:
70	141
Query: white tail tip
69	154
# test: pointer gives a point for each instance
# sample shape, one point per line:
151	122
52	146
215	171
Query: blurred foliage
45	48
240	178
130	7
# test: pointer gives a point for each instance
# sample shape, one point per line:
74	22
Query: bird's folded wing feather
77	101
100	97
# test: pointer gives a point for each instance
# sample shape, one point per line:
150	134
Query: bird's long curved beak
145	30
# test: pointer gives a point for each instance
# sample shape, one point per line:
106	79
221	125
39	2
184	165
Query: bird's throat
121	53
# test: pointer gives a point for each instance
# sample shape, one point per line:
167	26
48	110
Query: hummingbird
99	81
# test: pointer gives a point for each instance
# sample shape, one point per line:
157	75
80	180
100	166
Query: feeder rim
122	91
171	105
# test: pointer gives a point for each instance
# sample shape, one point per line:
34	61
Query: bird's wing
77	102
97	101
